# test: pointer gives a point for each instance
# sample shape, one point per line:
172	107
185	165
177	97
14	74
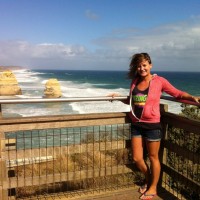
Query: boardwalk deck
122	194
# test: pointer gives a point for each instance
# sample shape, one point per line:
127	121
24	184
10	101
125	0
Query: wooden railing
97	158
180	155
87	159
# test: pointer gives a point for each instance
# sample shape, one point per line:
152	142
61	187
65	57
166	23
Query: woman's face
144	68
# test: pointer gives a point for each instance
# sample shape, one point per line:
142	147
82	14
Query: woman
145	92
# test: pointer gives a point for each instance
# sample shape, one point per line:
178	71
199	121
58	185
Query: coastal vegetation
192	112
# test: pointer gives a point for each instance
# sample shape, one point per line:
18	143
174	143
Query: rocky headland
9	84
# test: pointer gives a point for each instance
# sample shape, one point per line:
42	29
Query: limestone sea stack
9	84
52	89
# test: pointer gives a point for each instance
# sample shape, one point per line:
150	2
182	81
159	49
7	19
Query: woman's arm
171	90
189	97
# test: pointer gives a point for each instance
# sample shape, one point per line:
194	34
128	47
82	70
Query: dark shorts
150	135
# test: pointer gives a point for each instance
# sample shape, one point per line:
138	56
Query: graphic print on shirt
139	100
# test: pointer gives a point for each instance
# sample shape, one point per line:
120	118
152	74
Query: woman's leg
137	152
153	150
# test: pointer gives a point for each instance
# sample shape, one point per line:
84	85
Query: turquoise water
187	81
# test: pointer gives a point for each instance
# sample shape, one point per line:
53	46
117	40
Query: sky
100	34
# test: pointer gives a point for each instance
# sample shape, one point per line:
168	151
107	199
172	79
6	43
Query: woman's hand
113	95
196	99
189	97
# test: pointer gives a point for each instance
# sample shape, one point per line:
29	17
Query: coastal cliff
9	84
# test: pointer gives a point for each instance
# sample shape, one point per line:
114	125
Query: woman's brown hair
135	61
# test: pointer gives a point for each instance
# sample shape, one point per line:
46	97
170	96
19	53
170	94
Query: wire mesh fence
68	161
181	166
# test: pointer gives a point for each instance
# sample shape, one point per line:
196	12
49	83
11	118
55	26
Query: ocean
79	84
85	83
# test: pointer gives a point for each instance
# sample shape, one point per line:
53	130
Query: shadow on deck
127	194
130	193
122	194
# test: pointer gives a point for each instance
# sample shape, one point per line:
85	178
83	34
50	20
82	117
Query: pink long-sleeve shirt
151	110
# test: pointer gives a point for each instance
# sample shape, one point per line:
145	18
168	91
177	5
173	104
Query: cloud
26	54
91	15
56	50
173	47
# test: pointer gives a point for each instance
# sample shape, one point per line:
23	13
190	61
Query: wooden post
162	152
1	116
3	169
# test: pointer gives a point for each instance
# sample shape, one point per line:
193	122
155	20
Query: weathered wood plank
193	185
3	193
181	122
181	151
55	118
96	122
3	171
31	123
